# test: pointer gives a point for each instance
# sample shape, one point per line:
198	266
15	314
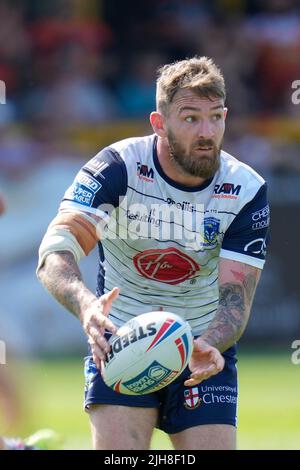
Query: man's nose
206	129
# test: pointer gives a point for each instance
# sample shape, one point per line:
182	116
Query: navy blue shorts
213	401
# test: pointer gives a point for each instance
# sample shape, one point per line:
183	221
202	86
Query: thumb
107	299
112	294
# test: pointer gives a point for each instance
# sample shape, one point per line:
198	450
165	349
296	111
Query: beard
193	164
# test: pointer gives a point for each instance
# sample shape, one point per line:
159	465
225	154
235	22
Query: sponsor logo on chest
169	265
144	172
226	191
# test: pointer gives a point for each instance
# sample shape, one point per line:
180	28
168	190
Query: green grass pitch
269	405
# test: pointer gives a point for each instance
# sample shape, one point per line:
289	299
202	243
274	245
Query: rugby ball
148	353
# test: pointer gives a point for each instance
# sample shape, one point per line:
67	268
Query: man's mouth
204	148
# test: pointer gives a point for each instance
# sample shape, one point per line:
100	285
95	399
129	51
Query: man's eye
217	116
189	119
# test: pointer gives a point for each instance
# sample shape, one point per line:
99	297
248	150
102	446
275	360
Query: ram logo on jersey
226	191
144	173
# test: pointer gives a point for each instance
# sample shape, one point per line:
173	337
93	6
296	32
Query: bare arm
237	285
61	276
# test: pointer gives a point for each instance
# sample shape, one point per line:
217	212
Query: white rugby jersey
151	244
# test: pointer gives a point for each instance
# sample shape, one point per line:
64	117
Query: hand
95	322
205	362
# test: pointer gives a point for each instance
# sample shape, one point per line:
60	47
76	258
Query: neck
171	169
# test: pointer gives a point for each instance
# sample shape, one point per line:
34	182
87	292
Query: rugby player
118	201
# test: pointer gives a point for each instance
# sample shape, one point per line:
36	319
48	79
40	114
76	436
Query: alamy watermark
296	93
2	352
295	358
183	222
2	92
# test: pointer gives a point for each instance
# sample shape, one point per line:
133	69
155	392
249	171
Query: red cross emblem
191	398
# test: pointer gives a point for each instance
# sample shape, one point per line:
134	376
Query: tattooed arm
61	276
237	284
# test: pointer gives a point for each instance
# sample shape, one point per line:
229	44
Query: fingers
198	377
98	356
107	299
215	365
219	362
95	323
104	305
98	353
95	337
105	323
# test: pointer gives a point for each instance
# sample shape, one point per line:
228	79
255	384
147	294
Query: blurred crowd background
81	74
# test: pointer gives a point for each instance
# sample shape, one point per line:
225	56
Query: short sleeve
99	185
247	237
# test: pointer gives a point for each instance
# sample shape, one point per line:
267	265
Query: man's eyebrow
195	108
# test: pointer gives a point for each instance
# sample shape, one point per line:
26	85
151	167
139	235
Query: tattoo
235	301
249	282
250	287
62	278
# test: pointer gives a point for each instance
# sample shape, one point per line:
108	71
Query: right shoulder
134	145
120	153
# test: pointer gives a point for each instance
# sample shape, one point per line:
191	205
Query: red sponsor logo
169	265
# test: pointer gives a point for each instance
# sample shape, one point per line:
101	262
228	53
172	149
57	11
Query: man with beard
181	226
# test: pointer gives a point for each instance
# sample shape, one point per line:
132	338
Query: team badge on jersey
169	265
191	398
211	232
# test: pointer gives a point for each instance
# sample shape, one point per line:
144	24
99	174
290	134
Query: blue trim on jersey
102	180
248	234
189	189
101	272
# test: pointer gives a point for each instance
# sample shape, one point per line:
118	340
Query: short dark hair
199	74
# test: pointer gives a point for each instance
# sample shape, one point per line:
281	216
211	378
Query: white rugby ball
148	353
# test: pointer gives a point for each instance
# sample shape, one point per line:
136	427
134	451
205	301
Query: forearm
235	301
62	278
230	320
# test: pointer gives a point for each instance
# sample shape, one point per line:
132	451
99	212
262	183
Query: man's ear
157	122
